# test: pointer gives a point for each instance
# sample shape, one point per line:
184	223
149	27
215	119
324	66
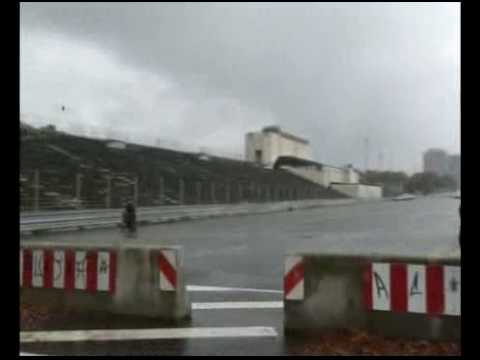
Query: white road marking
147	334
238	305
219	288
30	354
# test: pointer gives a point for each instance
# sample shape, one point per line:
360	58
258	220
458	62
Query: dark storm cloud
334	73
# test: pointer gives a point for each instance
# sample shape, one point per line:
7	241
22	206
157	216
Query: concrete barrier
387	295
129	279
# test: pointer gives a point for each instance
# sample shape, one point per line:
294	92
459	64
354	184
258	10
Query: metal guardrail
85	219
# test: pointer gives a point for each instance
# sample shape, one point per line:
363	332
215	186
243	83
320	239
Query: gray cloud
334	73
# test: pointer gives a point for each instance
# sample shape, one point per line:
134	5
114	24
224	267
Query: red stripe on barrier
69	270
435	295
112	274
367	286
92	271
48	269
168	270
293	277
27	268
398	285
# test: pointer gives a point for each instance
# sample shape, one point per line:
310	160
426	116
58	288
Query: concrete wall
128	279
359	191
326	176
330	292
309	173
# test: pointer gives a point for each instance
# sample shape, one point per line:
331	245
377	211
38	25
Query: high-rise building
441	163
454	167
436	161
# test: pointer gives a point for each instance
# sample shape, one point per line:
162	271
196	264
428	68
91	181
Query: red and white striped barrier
416	288
293	285
168	270
92	271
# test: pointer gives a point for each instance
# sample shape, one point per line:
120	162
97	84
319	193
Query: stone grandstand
61	159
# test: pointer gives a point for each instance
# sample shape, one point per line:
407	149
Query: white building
345	180
266	146
277	149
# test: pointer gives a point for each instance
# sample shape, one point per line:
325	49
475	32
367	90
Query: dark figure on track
130	219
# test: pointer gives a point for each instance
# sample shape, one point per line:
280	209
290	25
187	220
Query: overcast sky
196	76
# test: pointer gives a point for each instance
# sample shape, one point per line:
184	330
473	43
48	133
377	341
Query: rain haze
199	76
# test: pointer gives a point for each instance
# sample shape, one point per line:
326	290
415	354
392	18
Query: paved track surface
247	252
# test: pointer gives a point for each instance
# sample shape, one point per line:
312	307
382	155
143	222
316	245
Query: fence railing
82	219
42	190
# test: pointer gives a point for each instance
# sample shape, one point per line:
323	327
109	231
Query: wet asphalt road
247	252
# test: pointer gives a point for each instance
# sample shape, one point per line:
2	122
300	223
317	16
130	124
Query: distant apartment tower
454	167
436	161
267	146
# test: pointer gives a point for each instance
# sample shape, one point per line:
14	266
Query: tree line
397	182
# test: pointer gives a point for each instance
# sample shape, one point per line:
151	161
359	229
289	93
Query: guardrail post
181	191
135	192
198	190
212	192
227	193
107	192
36	190
162	190
78	186
240	192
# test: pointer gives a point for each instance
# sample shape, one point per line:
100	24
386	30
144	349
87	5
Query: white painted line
238	305
58	269
146	334
381	289
37	271
416	289
452	290
81	270
219	288
30	354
